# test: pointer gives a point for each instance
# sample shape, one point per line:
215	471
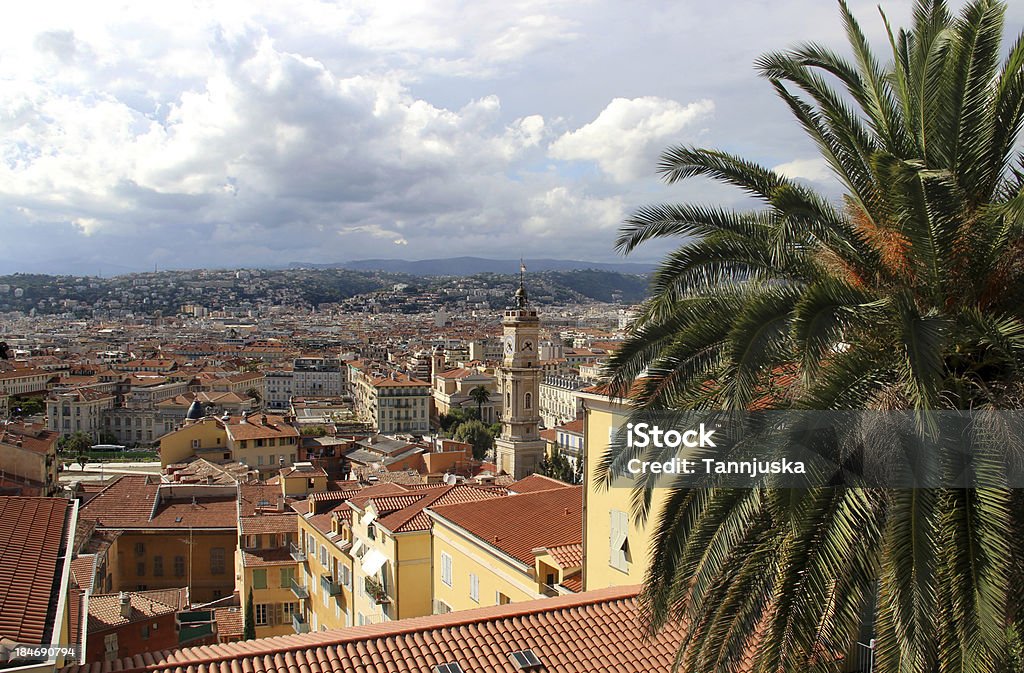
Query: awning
373	561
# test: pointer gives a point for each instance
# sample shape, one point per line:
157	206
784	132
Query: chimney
126	605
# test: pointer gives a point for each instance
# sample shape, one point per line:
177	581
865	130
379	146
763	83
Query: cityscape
558	337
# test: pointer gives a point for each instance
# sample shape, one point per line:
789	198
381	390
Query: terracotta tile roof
518	524
268	523
83	571
105	609
259	426
33	534
574	583
229	622
550	435
534	483
575	426
29	437
404	513
567	555
205	512
579	633
126	503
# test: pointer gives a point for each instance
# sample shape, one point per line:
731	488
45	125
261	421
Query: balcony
328	584
298	553
299	590
377	591
299	624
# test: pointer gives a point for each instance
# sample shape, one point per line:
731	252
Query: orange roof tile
534	483
579	632
105	609
33	534
518	524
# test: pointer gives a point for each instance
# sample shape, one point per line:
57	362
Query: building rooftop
534	483
33	546
594	631
518	524
105	609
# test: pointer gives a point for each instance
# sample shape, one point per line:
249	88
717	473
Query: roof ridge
272	646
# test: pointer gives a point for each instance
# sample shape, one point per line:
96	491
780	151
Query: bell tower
520	448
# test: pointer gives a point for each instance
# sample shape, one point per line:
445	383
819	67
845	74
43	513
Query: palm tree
481	396
904	295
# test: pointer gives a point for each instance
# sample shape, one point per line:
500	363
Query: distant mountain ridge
468	266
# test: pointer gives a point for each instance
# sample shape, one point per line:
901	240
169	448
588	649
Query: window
217	561
323	556
287	575
446	568
244	444
474	587
345	576
528	401
619	541
140	549
259	460
289	609
261	615
140	568
110	646
158	566
179	566
250	541
259	579
195	443
145	632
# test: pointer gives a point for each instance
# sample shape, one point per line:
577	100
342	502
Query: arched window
528	401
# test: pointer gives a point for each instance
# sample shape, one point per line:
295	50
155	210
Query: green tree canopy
476	433
905	294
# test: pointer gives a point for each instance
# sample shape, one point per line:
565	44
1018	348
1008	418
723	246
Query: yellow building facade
616	549
206	438
266	569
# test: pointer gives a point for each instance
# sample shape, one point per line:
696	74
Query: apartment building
28	459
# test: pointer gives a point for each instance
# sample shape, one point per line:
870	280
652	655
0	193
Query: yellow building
616	551
324	579
391	549
262	441
205	438
266	567
506	550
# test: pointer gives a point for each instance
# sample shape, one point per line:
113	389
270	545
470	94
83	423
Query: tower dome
195	411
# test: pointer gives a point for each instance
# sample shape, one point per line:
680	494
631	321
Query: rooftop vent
524	660
448	668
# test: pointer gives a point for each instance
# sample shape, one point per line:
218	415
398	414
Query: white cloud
624	139
815	170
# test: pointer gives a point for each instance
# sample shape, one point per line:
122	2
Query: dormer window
371	532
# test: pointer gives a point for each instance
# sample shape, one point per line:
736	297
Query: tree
907	295
5	351
557	466
476	433
75	443
249	629
481	396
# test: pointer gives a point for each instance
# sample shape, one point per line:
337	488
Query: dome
195	411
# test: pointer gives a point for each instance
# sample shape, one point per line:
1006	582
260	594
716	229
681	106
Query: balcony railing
299	624
377	591
549	591
299	590
328	584
297	552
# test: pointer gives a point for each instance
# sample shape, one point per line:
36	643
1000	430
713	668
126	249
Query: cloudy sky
222	134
